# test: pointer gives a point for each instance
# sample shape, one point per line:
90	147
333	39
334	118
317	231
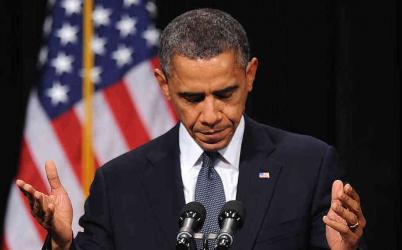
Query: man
287	182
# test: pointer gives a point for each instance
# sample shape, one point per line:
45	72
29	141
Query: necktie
209	192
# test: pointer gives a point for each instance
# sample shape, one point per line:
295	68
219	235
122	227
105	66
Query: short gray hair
203	34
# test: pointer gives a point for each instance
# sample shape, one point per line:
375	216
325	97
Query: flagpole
88	164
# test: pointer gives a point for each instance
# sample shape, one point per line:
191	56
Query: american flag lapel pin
263	175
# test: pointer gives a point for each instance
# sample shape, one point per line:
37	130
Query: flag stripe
108	139
69	133
28	171
4	245
148	99
126	115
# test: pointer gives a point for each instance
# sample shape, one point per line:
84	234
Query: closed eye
192	97
226	93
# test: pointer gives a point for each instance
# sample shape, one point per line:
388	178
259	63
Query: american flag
128	107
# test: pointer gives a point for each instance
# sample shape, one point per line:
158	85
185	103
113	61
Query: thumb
52	176
337	189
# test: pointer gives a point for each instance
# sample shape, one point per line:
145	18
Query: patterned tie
209	192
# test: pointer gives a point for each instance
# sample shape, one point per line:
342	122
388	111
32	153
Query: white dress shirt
227	165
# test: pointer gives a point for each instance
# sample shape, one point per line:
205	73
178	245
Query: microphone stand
205	243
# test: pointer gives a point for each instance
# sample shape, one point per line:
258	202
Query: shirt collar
190	151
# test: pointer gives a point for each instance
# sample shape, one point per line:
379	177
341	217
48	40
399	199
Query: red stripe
69	133
4	244
29	173
126	115
156	65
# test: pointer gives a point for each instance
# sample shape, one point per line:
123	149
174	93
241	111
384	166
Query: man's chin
213	146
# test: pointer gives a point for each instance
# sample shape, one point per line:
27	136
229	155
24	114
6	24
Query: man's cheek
233	114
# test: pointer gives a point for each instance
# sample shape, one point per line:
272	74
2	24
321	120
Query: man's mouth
212	136
212	132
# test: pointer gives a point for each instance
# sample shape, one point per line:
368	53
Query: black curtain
328	68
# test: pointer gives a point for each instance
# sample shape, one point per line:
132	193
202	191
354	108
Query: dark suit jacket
136	198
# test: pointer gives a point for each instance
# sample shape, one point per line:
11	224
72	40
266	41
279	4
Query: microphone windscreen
195	207
231	207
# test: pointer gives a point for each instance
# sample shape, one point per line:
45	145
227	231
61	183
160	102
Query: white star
67	34
126	26
43	55
62	63
72	6
101	16
47	25
151	8
128	3
122	55
94	73
58	93
151	35
98	45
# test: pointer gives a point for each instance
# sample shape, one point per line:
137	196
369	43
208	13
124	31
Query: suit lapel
163	185
253	191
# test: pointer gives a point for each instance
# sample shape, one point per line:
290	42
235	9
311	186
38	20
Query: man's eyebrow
216	92
190	94
226	90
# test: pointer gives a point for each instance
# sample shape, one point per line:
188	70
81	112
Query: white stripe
108	140
20	233
148	99
43	144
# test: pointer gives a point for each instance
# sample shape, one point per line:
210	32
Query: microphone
231	219
191	220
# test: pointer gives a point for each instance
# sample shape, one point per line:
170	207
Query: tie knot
209	157
208	162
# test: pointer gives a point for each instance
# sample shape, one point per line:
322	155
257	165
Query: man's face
209	95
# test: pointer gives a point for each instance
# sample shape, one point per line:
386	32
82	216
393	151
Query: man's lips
211	132
212	136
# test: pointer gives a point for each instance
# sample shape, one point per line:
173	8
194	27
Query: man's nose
211	113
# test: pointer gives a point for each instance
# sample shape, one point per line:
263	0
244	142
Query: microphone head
233	209
193	210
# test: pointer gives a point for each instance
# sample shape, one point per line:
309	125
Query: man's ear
163	84
251	70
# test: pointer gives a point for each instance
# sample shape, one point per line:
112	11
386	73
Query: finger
337	187
334	216
52	176
38	210
349	217
349	203
338	226
351	192
20	185
28	191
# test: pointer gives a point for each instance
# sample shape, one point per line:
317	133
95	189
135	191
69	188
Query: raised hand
345	221
54	211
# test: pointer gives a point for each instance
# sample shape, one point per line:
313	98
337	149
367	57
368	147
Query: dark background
331	69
